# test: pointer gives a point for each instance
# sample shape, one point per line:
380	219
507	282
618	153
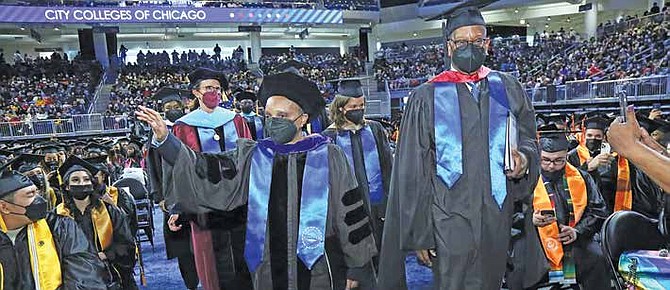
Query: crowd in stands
639	48
138	82
46	88
278	4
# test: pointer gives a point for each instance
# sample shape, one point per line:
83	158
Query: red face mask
211	99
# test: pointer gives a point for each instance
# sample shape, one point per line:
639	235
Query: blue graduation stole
206	124
258	123
371	157
448	138
313	203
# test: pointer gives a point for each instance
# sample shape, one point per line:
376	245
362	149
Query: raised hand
155	121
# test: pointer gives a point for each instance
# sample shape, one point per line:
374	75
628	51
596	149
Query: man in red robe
218	237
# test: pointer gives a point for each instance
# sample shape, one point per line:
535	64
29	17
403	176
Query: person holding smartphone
568	213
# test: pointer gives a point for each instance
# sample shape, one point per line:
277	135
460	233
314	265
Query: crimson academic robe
216	256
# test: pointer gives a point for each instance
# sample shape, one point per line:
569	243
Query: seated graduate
30	166
104	225
299	190
38	249
568	212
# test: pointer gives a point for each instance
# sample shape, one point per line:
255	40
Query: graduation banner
116	15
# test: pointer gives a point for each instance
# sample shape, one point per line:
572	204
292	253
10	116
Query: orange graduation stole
44	260
553	248
102	223
114	193
623	200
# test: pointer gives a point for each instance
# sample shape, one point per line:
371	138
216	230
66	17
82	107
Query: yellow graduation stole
114	193
553	249
102	223
44	261
623	200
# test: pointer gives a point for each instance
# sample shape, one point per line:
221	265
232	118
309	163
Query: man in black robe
25	224
300	191
456	176
569	212
247	104
366	146
178	233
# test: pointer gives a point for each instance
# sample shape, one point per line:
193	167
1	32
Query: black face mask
36	210
174	115
469	58
355	116
81	192
247	109
594	145
52	165
553	176
38	180
280	130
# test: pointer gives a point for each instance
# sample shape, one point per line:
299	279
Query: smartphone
548	213
605	148
656	106
623	104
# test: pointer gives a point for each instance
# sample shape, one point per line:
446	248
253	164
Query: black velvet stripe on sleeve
357	235
351	197
355	216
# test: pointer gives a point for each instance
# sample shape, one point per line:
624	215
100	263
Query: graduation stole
209	129
448	138
102	223
313	203
44	260
623	199
258	123
553	249
373	170
114	193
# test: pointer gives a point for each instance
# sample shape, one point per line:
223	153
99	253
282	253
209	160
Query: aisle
163	274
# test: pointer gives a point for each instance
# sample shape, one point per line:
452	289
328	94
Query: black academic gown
205	182
592	271
121	253
464	224
376	212
80	267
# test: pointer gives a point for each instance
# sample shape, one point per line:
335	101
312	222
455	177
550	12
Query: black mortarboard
296	88
349	87
463	14
664	126
47	149
646	123
168	94
26	162
100	162
245	95
202	73
11	181
74	163
552	139
6	153
597	122
555	118
96	148
292	66
18	149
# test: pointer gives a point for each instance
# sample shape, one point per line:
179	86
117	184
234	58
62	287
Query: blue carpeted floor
164	274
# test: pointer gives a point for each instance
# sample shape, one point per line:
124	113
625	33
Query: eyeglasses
557	161
461	43
211	89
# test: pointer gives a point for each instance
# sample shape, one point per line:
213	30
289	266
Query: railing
88	124
98	90
653	87
582	91
623	25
